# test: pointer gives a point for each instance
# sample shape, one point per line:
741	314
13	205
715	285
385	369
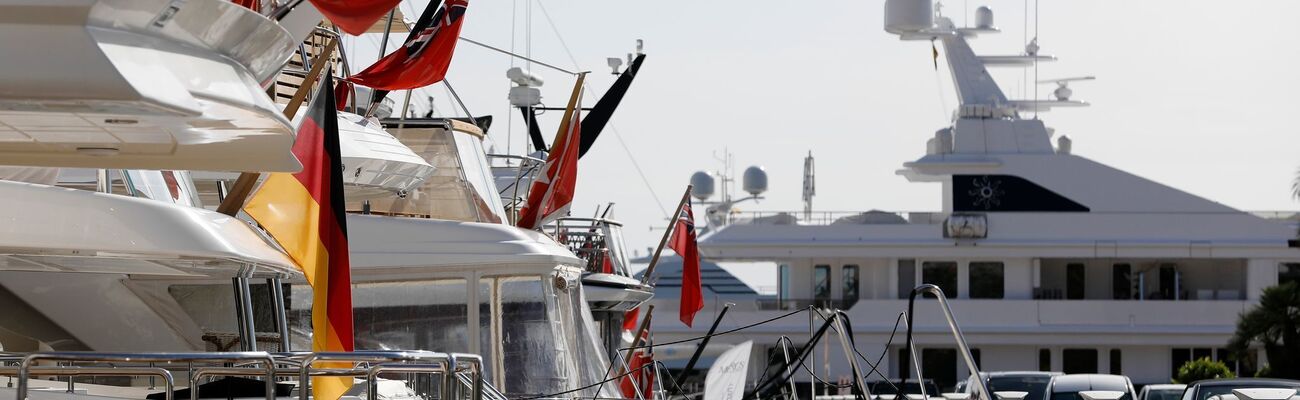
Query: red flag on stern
683	243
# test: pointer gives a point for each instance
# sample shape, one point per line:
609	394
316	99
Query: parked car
1067	387
1031	382
1203	390
1162	392
911	387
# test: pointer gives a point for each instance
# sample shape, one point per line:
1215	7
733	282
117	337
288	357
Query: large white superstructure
1053	261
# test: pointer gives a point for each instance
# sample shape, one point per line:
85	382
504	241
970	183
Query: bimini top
53	229
422	247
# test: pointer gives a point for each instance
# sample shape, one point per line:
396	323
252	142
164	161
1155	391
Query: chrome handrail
170	382
956	333
25	367
304	383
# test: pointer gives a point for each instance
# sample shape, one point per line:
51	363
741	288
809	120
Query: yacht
115	267
1052	261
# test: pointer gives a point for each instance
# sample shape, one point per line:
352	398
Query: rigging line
875	367
701	337
618	136
510	121
553	395
526	57
1024	73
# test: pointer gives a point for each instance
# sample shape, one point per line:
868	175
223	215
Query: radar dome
1064	144
702	185
755	180
908	16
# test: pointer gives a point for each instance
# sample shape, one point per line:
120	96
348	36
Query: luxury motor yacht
110	248
1053	261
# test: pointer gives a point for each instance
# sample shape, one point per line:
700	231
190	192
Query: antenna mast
809	186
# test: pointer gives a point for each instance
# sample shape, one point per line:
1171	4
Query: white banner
726	378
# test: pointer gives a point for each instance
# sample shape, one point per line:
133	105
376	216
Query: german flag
304	213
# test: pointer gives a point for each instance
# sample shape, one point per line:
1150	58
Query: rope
630	157
701	337
553	395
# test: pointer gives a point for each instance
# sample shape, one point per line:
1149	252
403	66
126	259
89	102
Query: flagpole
645	278
244	184
636	342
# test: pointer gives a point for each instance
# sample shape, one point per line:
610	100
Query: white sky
1197	95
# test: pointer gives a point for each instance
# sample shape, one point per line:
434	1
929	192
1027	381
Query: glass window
1178	357
942	274
822	283
1288	272
1079	361
940	365
1075	281
783	283
850	280
1034	385
906	277
904	363
1121	286
986	280
1116	362
1044	360
975	355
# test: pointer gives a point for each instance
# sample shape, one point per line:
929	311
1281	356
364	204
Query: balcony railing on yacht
461	374
837	217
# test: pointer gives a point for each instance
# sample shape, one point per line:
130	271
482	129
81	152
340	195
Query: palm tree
1275	324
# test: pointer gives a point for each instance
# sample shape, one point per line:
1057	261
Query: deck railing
458	371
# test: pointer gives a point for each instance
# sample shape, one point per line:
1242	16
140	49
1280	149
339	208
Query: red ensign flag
683	242
425	57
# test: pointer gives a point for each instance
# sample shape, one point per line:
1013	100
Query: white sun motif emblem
986	192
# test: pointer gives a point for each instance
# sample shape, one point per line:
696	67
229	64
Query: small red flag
683	242
354	16
552	190
425	57
642	375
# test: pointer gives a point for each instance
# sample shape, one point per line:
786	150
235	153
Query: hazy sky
1198	95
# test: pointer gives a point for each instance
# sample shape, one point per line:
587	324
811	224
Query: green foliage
1204	368
1275	325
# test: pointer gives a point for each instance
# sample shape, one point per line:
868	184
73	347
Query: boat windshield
1035	386
534	332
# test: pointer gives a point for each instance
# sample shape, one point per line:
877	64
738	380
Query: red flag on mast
425	57
552	190
354	16
683	243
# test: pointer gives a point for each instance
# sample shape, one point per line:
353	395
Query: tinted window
986	280
1164	394
1034	385
822	282
1079	361
1076	396
850	281
942	274
1288	272
1205	392
1075	278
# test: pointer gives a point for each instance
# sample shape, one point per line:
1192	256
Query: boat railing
872	217
768	304
589	239
522	169
456	370
963	348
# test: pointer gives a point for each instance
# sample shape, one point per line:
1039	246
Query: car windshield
1034	385
1207	391
1076	396
1164	394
